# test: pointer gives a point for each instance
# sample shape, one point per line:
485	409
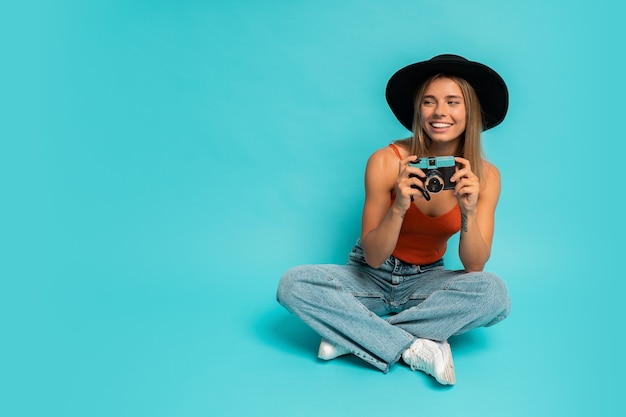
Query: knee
497	296
291	285
491	290
494	285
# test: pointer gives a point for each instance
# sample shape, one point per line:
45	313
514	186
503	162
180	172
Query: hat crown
448	57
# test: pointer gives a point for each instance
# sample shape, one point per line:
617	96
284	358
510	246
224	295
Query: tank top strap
395	149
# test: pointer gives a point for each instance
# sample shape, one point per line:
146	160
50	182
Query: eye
428	102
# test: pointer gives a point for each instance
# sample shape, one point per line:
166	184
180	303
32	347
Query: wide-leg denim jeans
377	313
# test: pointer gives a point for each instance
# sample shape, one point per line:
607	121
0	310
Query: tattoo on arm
464	222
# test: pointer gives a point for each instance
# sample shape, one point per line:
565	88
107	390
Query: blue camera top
433	162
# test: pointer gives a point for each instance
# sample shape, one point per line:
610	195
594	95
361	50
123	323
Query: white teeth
440	125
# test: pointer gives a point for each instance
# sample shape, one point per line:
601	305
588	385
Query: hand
467	186
409	183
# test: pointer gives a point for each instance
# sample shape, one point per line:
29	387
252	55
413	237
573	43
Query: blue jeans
377	313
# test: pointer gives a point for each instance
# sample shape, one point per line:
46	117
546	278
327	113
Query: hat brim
490	88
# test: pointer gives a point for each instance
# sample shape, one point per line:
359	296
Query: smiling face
442	112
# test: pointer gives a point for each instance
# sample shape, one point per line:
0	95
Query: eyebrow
446	97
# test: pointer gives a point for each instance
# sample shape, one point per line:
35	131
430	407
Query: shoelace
423	363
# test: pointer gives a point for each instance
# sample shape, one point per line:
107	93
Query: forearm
379	243
473	250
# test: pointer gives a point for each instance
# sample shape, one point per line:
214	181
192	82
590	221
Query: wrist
468	212
467	218
398	210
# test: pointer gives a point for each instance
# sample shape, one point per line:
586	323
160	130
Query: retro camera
438	171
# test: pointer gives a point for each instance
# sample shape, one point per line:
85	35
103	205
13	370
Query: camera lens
434	185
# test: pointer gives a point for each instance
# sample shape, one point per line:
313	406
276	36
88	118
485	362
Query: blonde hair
470	146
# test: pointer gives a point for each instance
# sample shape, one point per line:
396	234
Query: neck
443	149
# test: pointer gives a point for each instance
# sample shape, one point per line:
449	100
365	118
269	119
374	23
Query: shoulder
491	173
388	155
490	170
383	166
490	179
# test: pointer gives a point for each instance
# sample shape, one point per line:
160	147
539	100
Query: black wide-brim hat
489	86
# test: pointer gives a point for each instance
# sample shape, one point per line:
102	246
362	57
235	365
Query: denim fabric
377	313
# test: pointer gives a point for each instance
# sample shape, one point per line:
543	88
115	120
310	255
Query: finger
417	187
411	187
462	166
416	172
409	159
462	162
465	188
425	193
466	178
404	165
463	173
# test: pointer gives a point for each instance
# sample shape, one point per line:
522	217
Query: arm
382	221
477	214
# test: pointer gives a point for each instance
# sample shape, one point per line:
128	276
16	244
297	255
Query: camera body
438	171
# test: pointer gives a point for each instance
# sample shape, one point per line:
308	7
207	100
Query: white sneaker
328	351
433	358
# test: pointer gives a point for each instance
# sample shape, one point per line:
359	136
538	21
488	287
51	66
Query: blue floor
182	347
163	162
174	344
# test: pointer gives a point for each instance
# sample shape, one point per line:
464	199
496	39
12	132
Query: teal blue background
163	162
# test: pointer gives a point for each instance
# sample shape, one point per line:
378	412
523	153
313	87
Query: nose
440	109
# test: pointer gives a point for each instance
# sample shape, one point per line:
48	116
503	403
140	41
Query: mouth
439	125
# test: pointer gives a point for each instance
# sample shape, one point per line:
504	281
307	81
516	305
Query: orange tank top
424	239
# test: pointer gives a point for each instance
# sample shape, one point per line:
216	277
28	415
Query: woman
394	298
